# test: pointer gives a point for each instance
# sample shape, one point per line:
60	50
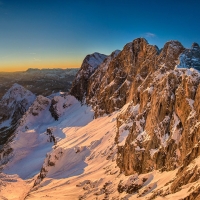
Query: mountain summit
13	105
89	65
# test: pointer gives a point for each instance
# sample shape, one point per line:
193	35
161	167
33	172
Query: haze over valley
40	82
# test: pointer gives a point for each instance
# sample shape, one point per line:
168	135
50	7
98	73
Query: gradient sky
60	33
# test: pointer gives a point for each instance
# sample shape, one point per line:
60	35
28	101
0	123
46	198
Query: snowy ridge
13	105
90	63
16	93
32	141
96	59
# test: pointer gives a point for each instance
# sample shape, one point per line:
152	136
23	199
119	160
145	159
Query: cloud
36	59
150	35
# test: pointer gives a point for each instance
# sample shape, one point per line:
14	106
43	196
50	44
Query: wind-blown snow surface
81	165
31	143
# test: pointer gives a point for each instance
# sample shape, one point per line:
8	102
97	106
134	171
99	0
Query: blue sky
60	33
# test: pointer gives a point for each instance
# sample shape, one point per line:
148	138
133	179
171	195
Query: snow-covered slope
84	167
13	105
34	139
81	165
37	132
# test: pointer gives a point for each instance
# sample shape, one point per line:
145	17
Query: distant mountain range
129	128
39	81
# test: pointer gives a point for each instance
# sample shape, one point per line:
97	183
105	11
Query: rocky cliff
160	122
88	67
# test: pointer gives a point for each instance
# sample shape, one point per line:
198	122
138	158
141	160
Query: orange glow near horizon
23	61
25	66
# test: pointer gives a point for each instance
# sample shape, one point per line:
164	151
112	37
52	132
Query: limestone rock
88	67
190	58
158	94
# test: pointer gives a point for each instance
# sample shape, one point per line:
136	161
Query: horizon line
39	69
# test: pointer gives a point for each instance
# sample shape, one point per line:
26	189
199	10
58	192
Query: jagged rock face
161	116
98	81
13	105
119	82
163	133
169	55
124	72
160	129
88	67
190	58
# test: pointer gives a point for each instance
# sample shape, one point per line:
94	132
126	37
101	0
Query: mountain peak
141	39
17	93
195	45
16	85
13	105
33	70
88	67
116	52
190	58
94	60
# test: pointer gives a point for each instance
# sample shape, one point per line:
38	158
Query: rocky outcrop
51	136
190	57
162	124
49	162
53	109
58	106
162	135
160	95
98	82
124	74
118	79
88	67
